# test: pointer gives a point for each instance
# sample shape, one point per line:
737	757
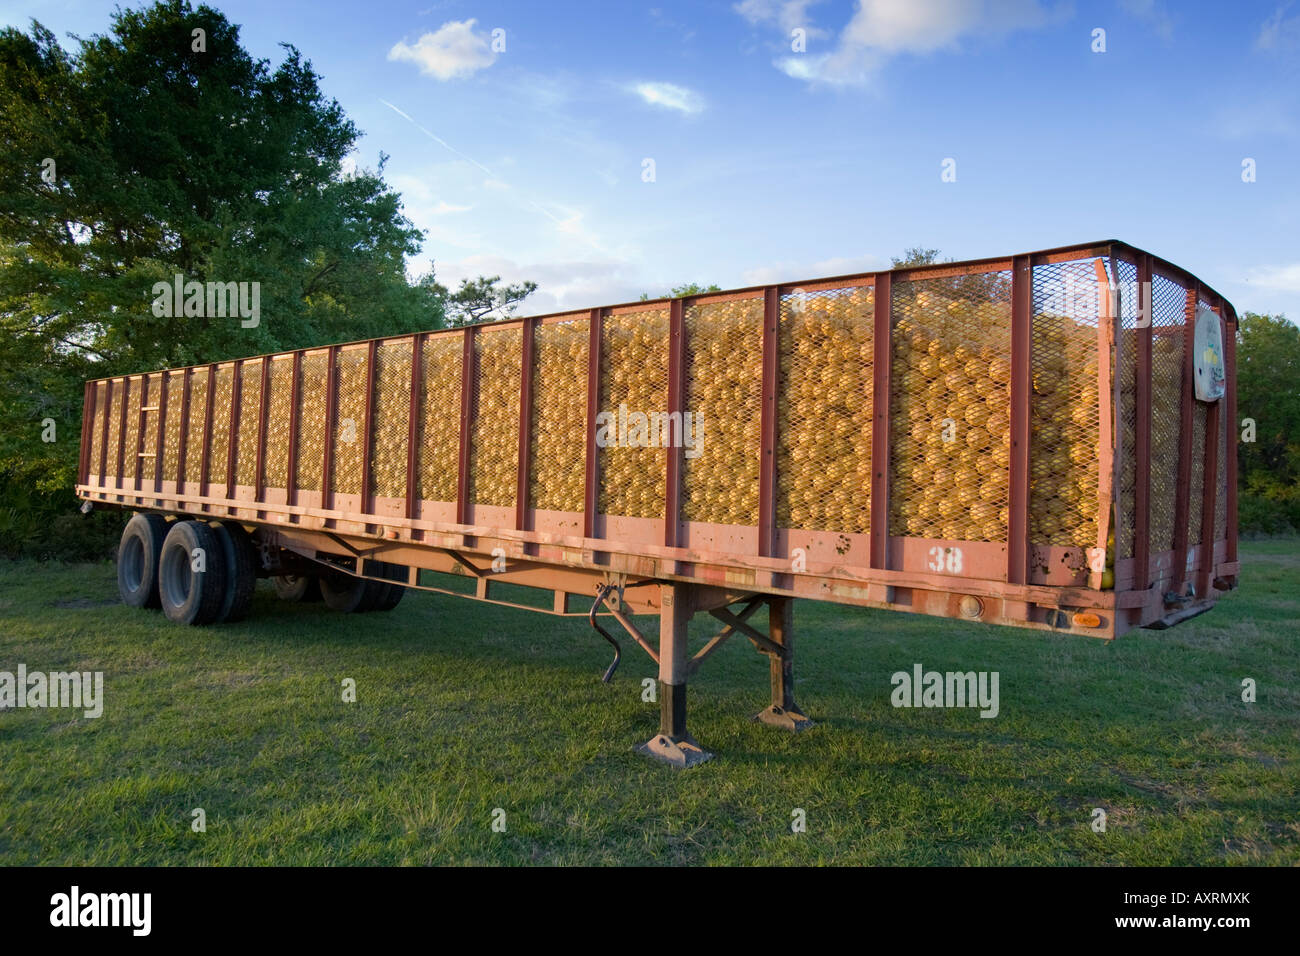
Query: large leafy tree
1268	367
156	150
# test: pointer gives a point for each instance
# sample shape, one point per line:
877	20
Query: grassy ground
463	708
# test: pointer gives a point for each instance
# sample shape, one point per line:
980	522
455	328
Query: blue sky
771	164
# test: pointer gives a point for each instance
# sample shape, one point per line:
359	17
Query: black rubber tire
189	596
137	560
296	588
390	599
241	571
348	594
391	593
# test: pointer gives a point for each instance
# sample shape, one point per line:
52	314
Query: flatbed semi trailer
1044	440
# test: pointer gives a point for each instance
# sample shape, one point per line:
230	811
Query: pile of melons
558	466
391	407
439	433
1063	416
633	372
494	440
724	391
823	471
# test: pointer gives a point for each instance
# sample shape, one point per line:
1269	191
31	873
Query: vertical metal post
103	441
331	411
1106	433
139	431
1142	431
291	465
466	417
413	420
673	453
592	471
783	711
1183	486
87	427
183	433
368	426
526	362
121	432
673	744
768	421
164	380
1021	384
205	466
881	369
232	443
263	412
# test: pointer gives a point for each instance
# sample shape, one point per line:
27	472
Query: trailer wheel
192	574
343	592
391	594
297	587
391	599
241	571
137	560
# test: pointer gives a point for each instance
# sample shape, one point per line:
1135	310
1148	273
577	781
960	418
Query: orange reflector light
1086	619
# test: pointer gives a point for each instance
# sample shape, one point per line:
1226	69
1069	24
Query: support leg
673	744
783	712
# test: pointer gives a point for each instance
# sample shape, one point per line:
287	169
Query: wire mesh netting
950	416
1168	341
131	436
559	415
723	396
113	466
312	405
194	428
440	418
275	469
250	413
1126	413
633	384
1063	405
97	427
824	409
151	394
220	445
494	430
172	426
392	412
349	421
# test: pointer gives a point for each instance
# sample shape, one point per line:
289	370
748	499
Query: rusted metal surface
1018	579
767	424
1142	498
882	339
591	476
1017	569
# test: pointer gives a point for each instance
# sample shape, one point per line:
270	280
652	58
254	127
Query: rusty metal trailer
1033	440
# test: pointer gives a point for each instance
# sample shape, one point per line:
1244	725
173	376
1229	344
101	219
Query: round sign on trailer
1207	356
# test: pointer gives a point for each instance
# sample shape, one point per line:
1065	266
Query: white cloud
880	29
1283	278
562	284
794	271
1279	32
454	50
1153	12
442	208
670	96
787	14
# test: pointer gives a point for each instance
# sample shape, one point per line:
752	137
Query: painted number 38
945	559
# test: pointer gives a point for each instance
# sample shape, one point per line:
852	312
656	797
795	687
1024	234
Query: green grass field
463	708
